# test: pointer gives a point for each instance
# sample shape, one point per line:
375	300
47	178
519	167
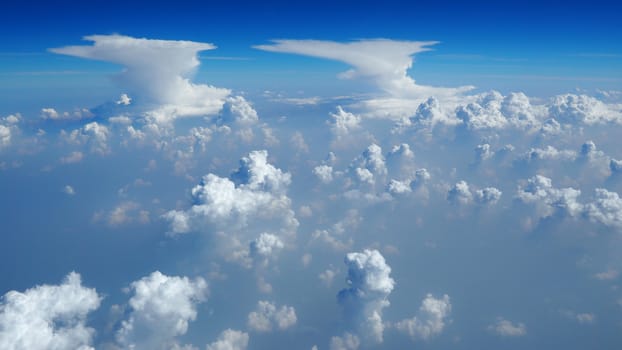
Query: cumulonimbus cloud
385	62
158	71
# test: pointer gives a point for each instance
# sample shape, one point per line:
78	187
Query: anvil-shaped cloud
158	71
385	62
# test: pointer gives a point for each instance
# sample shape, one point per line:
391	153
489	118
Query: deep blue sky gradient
540	47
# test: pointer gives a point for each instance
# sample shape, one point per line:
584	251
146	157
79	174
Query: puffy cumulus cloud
230	340
77	114
589	151
343	123
5	136
256	190
460	193
337	236
606	209
429	321
384	62
8	129
268	316
400	161
371	177
48	316
483	152
548	199
421	177
124	100
49	113
157	71
396	187
125	213
369	285
615	166
238	212
369	167
483	114
266	247
93	135
495	111
488	195
506	328
573	109
348	341
160	309
549	153
238	110
430	113
324	173
256	174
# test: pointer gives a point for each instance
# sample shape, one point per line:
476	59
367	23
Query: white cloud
370	166
8	129
610	274
338	235
73	157
606	208
429	321
48	317
344	123
230	340
49	113
5	136
589	151
69	190
268	316
586	318
348	341
506	328
158	71
93	135
549	200
255	192
573	109
430	113
124	100
460	193
483	152
396	187
238	110
369	285
549	153
327	276
125	213
266	246
77	114
485	113
161	308
488	196
324	173
384	62
298	142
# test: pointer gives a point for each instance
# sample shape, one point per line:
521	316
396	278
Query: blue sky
332	175
538	47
